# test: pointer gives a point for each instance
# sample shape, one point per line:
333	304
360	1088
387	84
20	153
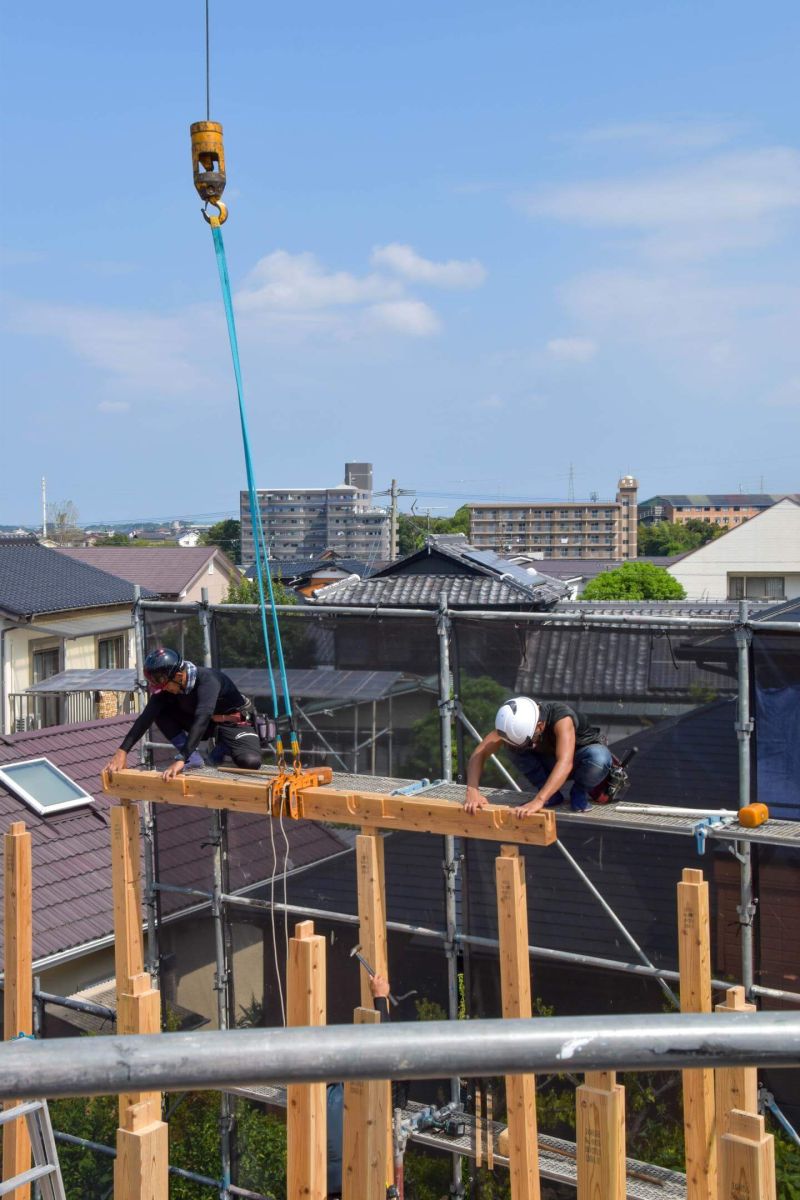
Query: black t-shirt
213	693
552	711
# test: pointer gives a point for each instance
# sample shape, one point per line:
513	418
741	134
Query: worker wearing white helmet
549	743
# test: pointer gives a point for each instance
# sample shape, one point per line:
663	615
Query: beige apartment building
560	529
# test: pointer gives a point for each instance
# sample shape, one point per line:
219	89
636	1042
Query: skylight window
43	787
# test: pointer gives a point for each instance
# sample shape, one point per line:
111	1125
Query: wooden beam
735	1087
126	885
18	985
747	1159
515	980
600	1137
421	814
364	1162
306	1121
694	957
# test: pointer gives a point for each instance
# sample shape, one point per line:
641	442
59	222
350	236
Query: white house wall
768	544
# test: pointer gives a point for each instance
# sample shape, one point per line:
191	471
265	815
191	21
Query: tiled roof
303	568
35	579
72	901
655	608
165	570
425	591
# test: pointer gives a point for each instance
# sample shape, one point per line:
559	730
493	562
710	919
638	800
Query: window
43	787
46	661
756	587
112	652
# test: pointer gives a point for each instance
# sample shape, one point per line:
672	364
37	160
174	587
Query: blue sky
474	243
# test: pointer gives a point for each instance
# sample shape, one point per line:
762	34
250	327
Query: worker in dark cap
190	703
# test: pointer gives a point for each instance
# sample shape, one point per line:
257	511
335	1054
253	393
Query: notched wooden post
364	1161
18	984
515	980
747	1159
735	1087
600	1137
306	1121
694	956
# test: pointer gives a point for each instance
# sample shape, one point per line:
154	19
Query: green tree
480	698
240	639
412	530
666	538
227	535
634	581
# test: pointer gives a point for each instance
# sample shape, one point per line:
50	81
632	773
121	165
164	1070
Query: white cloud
729	200
572	349
404	261
286	282
113	406
412	317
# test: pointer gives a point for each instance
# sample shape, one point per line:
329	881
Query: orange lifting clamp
208	165
285	791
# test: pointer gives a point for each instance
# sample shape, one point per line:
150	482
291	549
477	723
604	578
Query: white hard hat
517	719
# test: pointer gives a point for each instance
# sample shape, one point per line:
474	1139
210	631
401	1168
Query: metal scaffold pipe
184	1061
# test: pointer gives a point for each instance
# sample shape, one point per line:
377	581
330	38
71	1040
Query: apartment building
560	529
305	522
728	509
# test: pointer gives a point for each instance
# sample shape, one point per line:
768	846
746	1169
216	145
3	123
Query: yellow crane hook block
208	164
753	815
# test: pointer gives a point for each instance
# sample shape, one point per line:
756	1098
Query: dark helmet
161	664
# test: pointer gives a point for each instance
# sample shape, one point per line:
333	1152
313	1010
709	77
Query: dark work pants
591	766
241	742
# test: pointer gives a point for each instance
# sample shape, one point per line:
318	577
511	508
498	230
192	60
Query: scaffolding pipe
146	816
744	728
82	1006
450	864
408	1050
221	981
320	735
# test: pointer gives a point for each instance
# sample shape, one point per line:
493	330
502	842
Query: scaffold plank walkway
557	1157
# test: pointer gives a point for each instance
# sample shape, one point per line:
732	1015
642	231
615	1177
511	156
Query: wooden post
364	1153
736	1087
18	987
371	877
141	1165
747	1159
600	1136
694	956
515	979
306	1121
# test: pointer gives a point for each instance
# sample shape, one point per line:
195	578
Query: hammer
393	1000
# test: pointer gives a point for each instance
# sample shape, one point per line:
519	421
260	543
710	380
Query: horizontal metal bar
33	1173
82	1006
775	993
70	1139
19	1110
323	914
412	1050
181	891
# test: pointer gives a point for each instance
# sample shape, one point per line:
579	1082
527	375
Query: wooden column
141	1165
694	956
371	877
364	1163
515	979
746	1159
306	1120
18	986
736	1087
600	1121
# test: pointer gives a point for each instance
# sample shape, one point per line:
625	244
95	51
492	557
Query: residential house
306	576
171	572
758	560
56	613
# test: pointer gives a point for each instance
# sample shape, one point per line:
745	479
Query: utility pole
44	507
393	492
571	490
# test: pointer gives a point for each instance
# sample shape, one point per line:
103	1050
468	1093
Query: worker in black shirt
189	703
549	743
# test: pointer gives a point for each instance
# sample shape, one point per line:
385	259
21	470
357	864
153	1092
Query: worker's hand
474	801
118	762
174	769
379	986
533	806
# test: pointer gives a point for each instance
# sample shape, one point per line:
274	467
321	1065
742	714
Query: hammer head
355	950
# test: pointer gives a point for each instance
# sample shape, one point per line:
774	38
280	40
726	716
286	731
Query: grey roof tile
35	579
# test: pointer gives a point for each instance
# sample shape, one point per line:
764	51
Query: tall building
305	522
563	529
727	508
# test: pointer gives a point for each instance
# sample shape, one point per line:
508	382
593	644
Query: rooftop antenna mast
44	507
571	489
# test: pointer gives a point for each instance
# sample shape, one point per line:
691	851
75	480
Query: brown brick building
727	509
